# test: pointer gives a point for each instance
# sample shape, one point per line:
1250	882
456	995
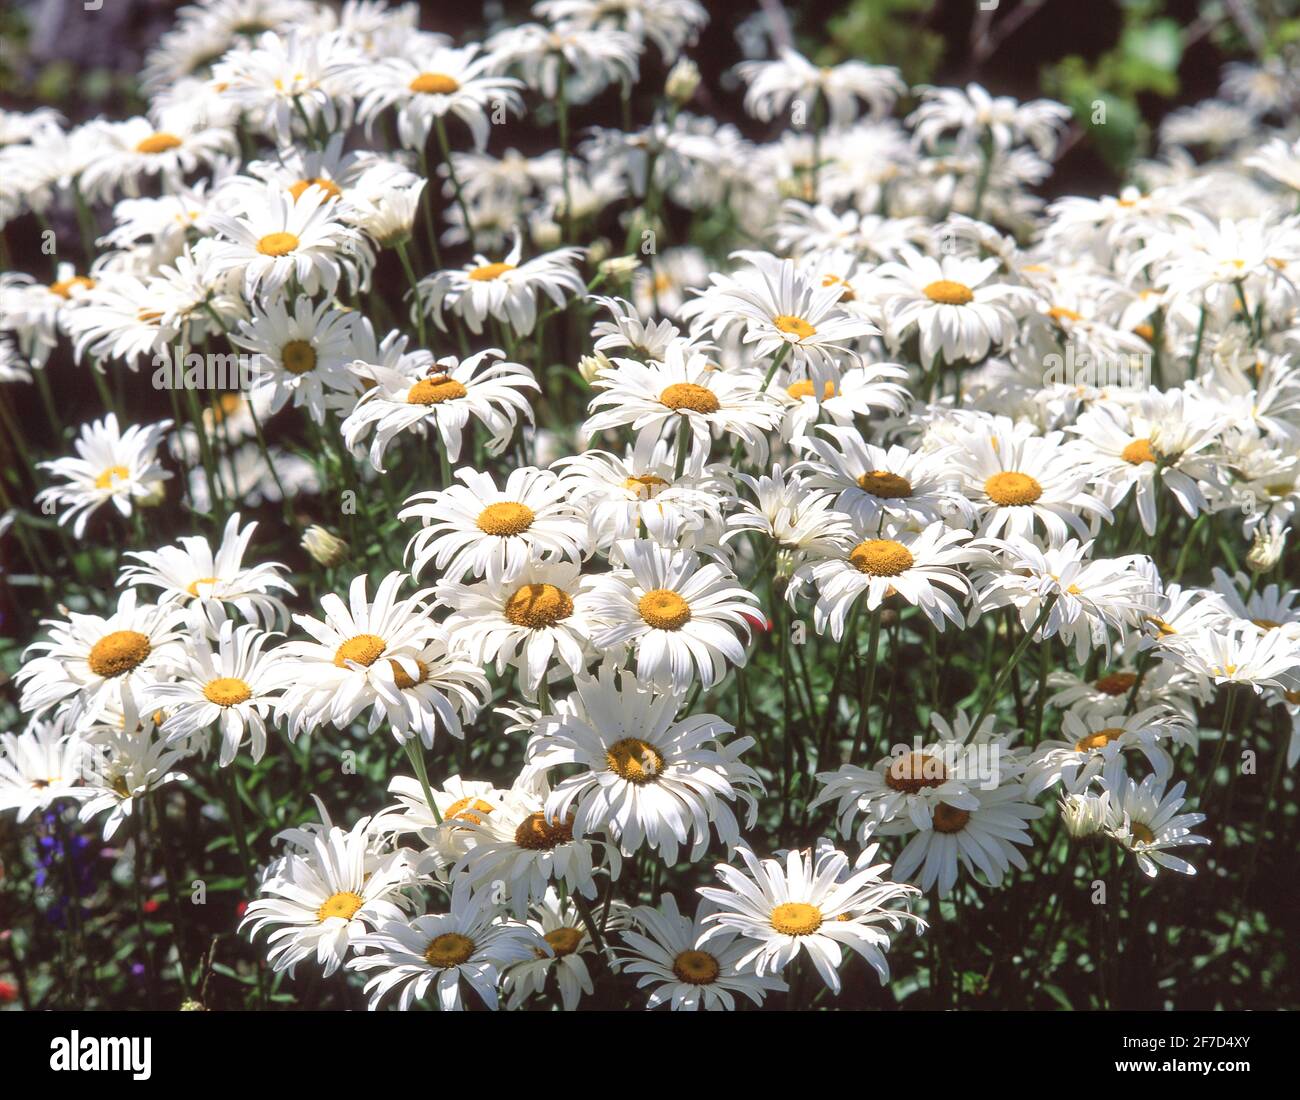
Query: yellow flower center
1117	683
634	760
796	918
804	388
435	84
468	809
434	390
883	484
1162	627
109	477
795	326
158	143
505	518
64	287
696	968
402	680
1138	452
227	691
848	294
193	587
538	605
881	558
914	772
448	950
949	819
1010	489
1094	742
298	357
564	941
1141	833
1266	624
664	609
330	188
1060	313
343	904
277	244
687	395
118	652
364	649
948	293
537	834
487	272
644	486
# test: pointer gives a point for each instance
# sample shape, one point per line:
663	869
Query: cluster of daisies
918	406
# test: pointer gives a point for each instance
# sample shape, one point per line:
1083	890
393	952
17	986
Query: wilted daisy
359	658
111	466
661	948
92	663
647	777
481	530
683	398
507	290
232	687
39	766
1145	819
680	616
318	902
443	395
470	943
811	904
190	571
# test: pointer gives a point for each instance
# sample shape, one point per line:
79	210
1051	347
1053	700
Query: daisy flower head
517	846
446	693
448	827
1146	819
92	664
684	397
127	153
857	392
39	766
1239	654
125	767
427	85
661	947
276	237
471	943
506	290
647	778
1093	737
112	466
478	529
319	902
680	616
443	396
812	904
231	686
568	58
799	520
773	85
967	115
360	657
191	573
949	303
917	566
529	618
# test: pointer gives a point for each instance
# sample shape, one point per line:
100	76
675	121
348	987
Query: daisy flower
321	901
111	466
680	616
558	922
360	656
481	530
662	949
190	571
427	85
946	300
685	397
92	663
1145	819
471	943
799	520
968	115
275	238
448	827
526	618
39	766
858	391
809	906
232	687
774	84
127	153
1240	653
583	60
647	778
506	290
914	565
1093	738
442	395
669	24
127	766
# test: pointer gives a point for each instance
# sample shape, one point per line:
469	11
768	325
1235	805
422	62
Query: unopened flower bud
1085	814
620	268
1267	546
591	365
683	79
324	548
